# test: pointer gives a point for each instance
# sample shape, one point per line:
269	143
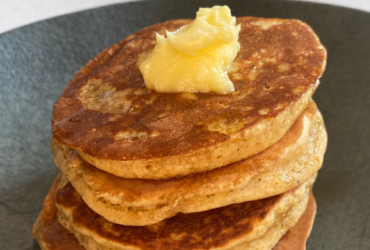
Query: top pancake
118	125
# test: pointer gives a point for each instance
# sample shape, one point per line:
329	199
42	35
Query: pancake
52	236
283	166
293	238
250	225
108	116
47	231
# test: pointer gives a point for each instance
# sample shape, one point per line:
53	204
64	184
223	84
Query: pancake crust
47	231
62	239
250	225
283	166
119	126
293	238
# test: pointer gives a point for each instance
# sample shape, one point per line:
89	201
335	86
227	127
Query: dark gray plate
37	61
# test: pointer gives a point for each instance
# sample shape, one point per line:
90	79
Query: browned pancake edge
47	230
295	238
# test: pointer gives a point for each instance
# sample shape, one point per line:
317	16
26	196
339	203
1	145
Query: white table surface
16	13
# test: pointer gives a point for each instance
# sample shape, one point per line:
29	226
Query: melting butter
196	57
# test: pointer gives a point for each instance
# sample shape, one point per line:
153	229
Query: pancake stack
148	170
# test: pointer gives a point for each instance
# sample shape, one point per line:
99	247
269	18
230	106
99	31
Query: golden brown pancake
281	167
119	126
250	225
52	236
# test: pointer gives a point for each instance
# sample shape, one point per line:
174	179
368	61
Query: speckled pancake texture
108	116
288	163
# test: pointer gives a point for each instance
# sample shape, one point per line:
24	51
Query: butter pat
196	57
